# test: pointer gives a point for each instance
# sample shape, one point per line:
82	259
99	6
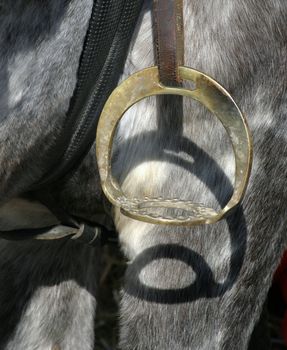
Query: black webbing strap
106	45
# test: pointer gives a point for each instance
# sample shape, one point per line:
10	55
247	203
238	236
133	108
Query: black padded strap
106	45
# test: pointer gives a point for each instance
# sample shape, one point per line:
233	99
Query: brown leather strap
169	39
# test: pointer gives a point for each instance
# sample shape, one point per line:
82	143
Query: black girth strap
109	34
106	45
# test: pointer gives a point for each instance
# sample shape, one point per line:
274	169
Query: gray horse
185	288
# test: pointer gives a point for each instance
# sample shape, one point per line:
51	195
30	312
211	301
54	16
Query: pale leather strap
169	39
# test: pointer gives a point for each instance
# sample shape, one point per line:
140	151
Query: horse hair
185	288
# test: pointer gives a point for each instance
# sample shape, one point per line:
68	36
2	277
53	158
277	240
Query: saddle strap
91	235
169	39
111	27
106	45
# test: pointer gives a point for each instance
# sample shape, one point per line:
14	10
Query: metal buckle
217	100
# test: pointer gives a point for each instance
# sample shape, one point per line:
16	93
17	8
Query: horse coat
199	288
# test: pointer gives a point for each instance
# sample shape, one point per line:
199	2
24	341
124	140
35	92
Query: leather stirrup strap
169	39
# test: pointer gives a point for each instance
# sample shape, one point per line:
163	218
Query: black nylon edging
106	45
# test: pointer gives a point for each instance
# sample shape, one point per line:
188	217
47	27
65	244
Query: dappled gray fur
47	295
199	288
243	45
47	290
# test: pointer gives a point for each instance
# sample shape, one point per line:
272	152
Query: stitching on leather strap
169	38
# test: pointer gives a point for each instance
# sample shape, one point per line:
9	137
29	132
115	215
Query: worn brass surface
218	101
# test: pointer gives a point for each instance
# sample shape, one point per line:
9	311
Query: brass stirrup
163	80
217	100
